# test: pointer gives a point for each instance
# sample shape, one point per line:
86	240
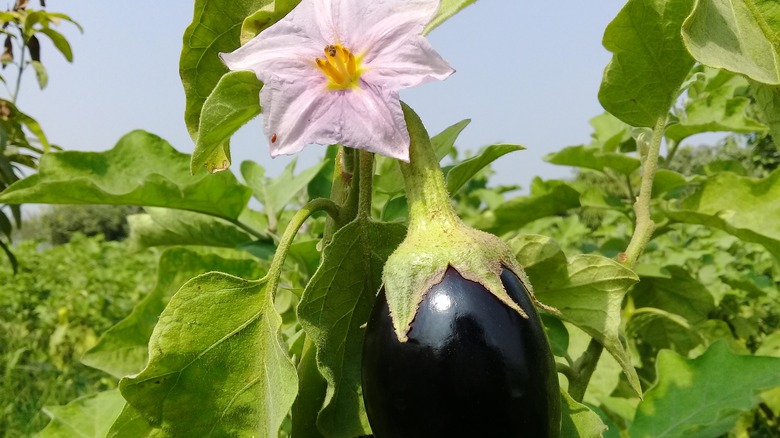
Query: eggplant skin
472	367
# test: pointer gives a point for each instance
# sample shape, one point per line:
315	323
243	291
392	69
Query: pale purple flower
332	70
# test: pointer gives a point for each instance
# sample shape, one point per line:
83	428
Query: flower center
340	67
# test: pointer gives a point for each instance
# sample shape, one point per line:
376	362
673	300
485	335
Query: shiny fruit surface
472	367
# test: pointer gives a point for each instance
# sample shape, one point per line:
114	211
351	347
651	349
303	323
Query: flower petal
374	121
295	115
411	64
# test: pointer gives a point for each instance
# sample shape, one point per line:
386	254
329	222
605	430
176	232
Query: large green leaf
591	158
702	397
547	198
649	61
215	28
277	192
142	169
217	364
716	103
234	101
768	103
462	172
130	423
123	349
745	207
336	303
742	36
588	290
88	416
166	227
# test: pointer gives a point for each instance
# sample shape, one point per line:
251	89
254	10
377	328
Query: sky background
526	73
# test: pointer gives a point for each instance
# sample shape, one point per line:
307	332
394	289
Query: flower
332	70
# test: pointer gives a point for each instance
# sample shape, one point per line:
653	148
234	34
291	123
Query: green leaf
447	8
162	227
591	158
547	198
578	421
677	292
702	397
215	28
742	36
217	366
40	74
276	193
716	105
234	101
588	290
768	104
311	395
336	303
666	180
649	61
142	169
611	134
123	349
59	41
742	206
130	423
88	416
462	172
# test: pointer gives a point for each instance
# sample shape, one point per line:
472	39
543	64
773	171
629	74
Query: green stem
426	191
275	271
366	183
21	68
644	223
672	146
583	370
339	190
246	228
643	231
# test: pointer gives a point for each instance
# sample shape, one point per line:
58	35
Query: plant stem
672	146
21	67
644	223
583	370
275	271
366	183
426	191
643	231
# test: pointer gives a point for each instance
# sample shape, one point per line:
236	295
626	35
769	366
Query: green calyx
437	239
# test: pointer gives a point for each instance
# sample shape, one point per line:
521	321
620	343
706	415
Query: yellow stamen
340	67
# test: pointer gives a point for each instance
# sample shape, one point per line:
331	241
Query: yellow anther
340	67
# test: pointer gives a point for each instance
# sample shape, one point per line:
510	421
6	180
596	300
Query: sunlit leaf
742	36
702	397
216	363
547	198
234	101
447	8
745	207
142	169
336	303
462	172
649	61
123	349
578	421
591	158
88	416
163	226
588	290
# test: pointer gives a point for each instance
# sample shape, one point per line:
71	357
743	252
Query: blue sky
527	73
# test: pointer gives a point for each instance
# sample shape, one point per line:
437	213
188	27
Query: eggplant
472	366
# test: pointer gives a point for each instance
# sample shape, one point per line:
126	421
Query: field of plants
637	298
